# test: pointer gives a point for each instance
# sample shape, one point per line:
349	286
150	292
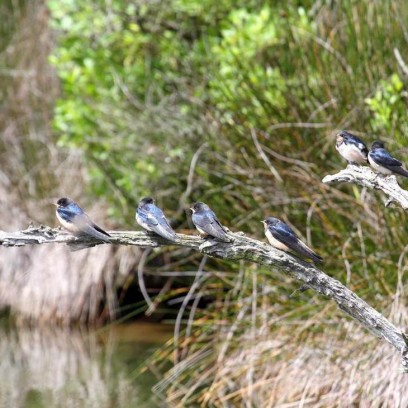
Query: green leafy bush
389	107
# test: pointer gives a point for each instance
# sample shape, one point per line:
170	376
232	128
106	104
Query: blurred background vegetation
235	103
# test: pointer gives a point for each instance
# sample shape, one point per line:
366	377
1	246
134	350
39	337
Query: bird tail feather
308	252
401	171
166	232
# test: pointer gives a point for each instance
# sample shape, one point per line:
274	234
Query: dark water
53	367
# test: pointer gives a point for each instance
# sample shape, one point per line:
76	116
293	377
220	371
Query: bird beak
192	209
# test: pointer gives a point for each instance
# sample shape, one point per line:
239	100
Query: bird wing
154	217
383	158
356	141
283	233
148	215
287	236
209	223
87	226
65	214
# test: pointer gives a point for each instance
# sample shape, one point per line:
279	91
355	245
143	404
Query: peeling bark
241	248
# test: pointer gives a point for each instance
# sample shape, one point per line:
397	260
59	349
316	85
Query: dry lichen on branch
240	248
365	177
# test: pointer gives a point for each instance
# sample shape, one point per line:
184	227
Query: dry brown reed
288	363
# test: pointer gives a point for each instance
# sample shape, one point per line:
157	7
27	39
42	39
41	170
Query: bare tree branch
364	176
241	248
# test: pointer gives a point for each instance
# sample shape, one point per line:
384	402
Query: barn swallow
282	237
207	222
74	219
381	160
151	218
351	147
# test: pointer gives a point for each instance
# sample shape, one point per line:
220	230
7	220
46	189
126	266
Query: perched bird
151	218
207	222
73	218
351	147
282	237
383	162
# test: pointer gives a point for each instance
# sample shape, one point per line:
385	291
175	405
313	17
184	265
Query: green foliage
389	107
124	101
145	84
247	84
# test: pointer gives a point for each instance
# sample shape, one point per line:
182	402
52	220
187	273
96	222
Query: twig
244	248
140	277
400	61
365	177
264	157
190	178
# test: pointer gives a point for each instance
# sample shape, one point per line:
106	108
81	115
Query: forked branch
365	177
240	248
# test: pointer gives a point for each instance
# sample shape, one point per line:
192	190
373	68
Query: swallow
351	147
282	237
207	222
383	162
151	218
74	219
